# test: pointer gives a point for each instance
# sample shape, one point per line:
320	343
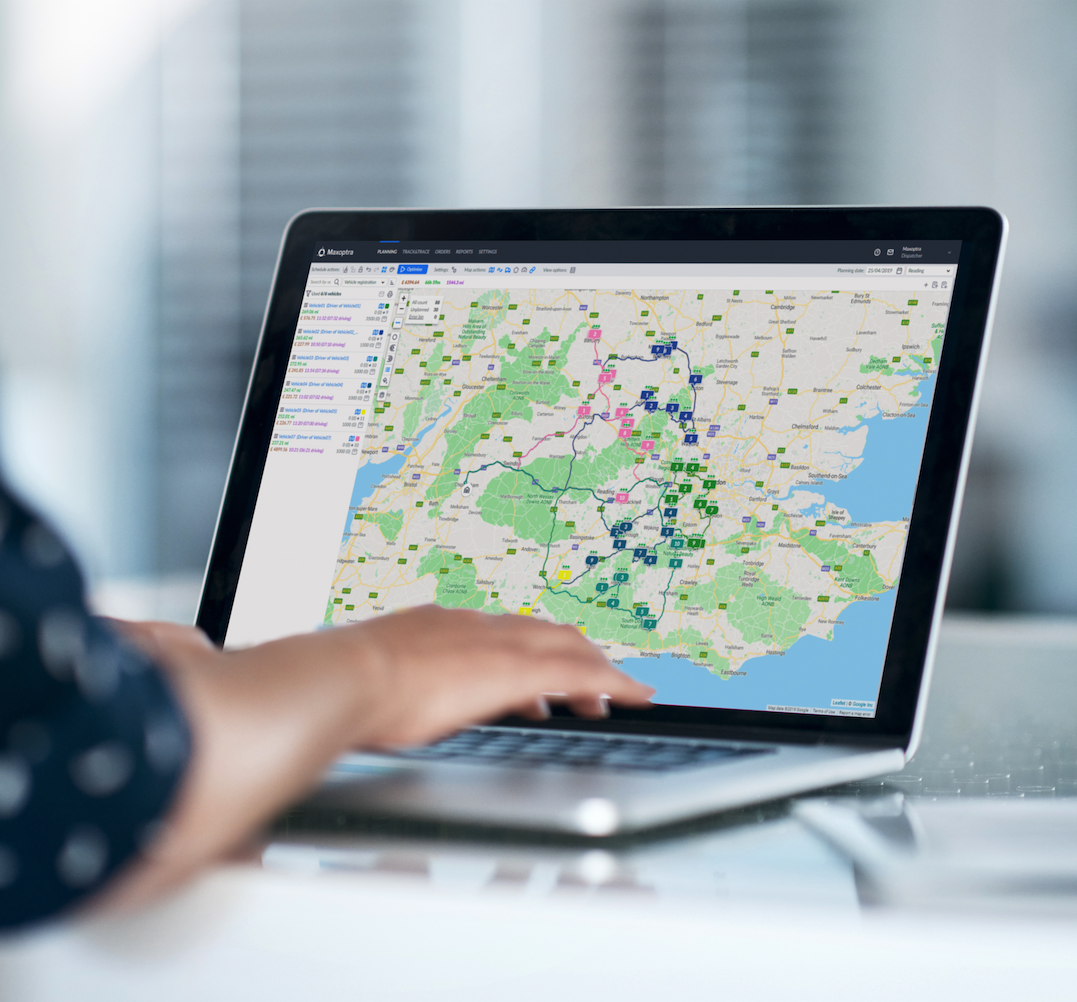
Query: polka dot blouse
92	742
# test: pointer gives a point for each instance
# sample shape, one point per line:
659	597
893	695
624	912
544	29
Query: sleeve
92	742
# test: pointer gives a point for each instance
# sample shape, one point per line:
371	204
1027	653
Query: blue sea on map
811	673
814	671
367	477
370	474
881	488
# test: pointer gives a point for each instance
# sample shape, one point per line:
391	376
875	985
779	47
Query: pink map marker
583	411
622	497
622	412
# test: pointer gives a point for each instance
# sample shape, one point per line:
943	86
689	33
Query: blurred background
152	151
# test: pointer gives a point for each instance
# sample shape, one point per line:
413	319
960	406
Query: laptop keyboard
546	749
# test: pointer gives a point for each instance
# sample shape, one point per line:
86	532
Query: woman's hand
268	721
431	671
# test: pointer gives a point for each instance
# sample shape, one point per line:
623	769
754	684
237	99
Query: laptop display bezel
980	231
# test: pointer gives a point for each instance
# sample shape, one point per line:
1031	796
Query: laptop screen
702	455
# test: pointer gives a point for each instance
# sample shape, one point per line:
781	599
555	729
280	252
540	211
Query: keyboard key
543	749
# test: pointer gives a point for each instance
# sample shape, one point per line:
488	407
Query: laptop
728	445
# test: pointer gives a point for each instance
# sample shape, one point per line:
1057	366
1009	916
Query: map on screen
713	484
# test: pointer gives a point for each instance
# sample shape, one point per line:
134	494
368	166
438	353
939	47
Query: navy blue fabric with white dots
92	742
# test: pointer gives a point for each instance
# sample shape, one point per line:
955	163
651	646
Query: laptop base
589	801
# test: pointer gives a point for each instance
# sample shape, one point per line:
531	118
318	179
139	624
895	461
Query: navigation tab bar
409	256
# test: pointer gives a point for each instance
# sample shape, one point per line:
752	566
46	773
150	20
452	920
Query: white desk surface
752	907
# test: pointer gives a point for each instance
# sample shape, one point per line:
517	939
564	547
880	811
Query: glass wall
152	154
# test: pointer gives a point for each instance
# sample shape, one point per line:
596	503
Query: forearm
265	725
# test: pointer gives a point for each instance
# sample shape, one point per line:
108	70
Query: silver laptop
728	445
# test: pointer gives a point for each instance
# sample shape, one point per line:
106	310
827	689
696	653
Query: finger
592	707
535	709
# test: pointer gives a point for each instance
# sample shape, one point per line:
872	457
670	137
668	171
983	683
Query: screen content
708	467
